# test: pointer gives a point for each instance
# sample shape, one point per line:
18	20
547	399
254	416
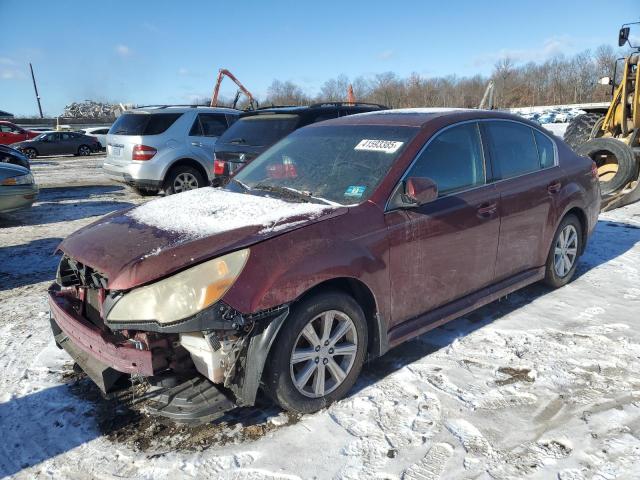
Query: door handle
487	209
554	187
196	144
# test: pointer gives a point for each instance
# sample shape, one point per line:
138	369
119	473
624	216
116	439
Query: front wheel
318	354
30	152
564	253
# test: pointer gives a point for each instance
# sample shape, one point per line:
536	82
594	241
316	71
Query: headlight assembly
181	295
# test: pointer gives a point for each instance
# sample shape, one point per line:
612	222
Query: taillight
219	166
594	170
143	152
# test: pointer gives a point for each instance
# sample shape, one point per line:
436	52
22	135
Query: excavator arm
221	74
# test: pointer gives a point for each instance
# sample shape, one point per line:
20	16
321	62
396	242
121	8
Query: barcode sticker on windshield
386	146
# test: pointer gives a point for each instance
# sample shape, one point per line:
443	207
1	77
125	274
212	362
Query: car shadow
56	204
29	263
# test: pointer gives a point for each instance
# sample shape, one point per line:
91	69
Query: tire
558	273
31	153
145	192
183	178
615	160
84	150
281	369
580	129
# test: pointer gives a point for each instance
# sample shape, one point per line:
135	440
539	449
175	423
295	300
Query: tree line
556	81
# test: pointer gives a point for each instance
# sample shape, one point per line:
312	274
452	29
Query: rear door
527	180
447	248
203	135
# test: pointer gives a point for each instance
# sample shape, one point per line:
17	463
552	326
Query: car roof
314	108
182	109
418	117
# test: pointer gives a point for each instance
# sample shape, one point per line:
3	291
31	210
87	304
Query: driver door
447	248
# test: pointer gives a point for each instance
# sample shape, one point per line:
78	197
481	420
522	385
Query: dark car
58	143
345	239
16	157
257	130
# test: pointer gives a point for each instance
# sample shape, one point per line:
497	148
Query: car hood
146	243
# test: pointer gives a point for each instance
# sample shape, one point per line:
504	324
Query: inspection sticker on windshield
354	191
386	146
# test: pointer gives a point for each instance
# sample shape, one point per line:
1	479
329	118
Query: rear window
143	123
260	130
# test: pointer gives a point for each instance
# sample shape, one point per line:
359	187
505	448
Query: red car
12	133
344	239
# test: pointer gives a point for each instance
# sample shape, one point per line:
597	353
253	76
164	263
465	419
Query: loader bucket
626	196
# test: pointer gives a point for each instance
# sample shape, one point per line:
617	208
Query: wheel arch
377	344
186	161
580	214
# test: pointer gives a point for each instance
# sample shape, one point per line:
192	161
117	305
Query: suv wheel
183	178
564	253
319	353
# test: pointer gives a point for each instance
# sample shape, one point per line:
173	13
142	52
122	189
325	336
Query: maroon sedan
341	241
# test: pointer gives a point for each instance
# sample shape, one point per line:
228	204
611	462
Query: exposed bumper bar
89	339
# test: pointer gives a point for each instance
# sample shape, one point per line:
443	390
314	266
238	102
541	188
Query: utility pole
35	87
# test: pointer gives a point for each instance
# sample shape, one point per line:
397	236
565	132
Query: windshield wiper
242	185
288	192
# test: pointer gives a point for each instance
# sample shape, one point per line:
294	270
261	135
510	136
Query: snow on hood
206	211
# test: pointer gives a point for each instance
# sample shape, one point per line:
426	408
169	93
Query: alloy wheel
566	251
185	181
323	354
84	151
30	152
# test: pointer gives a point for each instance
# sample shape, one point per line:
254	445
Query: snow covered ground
543	384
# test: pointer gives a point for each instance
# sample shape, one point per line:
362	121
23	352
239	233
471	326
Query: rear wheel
582	128
183	178
615	161
564	253
30	152
318	354
84	151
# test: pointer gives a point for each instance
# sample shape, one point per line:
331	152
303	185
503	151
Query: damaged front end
196	368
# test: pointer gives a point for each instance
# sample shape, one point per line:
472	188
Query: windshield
260	130
338	164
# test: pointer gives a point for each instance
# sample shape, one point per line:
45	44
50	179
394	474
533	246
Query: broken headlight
183	294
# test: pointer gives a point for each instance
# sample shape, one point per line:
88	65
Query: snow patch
207	211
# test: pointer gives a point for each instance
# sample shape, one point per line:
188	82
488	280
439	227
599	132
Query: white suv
166	148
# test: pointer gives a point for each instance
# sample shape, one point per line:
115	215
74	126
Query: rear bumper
87	338
122	175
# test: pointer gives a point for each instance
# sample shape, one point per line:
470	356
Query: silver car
166	148
17	188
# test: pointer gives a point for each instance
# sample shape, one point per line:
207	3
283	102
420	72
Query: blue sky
160	51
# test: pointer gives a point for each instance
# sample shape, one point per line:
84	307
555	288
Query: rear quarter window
143	123
546	152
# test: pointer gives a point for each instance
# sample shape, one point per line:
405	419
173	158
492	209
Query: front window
342	165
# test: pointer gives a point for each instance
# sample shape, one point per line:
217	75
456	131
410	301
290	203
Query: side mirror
623	36
419	190
605	81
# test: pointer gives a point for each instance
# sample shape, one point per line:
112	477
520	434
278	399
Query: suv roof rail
266	107
348	104
160	106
